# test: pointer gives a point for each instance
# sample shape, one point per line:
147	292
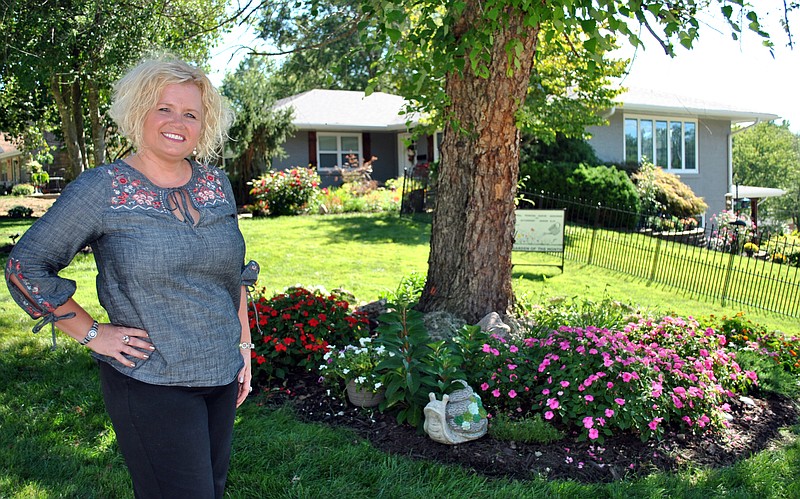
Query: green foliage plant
22	190
20	212
296	328
415	366
533	429
285	192
408	290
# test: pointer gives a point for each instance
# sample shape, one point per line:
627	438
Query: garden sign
540	231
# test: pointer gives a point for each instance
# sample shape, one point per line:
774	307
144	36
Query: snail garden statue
459	417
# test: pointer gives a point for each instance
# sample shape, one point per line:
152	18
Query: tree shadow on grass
56	437
387	228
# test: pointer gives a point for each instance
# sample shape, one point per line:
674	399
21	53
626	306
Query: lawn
56	441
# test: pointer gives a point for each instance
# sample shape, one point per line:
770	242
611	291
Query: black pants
176	440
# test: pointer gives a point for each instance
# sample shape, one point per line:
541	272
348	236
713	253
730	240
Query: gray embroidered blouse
177	278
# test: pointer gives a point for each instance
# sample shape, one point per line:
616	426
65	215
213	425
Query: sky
741	73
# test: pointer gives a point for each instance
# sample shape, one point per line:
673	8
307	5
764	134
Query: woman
175	357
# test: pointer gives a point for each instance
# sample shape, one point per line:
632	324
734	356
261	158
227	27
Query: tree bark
469	267
98	130
62	95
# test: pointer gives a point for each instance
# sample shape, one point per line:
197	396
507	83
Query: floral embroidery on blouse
133	193
130	193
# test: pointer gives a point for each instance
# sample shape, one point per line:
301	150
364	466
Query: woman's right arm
48	246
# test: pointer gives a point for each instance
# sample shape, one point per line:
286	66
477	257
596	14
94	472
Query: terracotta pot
362	397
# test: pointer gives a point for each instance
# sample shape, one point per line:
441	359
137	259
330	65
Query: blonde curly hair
140	88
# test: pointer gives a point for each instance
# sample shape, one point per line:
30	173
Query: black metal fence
727	260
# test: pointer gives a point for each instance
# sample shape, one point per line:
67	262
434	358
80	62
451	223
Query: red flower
313	323
280	347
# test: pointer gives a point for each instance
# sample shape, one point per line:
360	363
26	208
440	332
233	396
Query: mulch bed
755	427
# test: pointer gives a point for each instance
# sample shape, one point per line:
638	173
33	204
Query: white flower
345	371
323	366
380	350
328	353
363	341
378	385
360	380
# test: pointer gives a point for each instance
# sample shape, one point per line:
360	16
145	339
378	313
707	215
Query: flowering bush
296	328
643	378
285	192
723	234
744	334
349	199
357	363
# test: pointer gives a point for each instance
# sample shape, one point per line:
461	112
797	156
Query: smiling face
172	127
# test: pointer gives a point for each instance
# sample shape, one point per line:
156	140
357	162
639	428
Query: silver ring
126	339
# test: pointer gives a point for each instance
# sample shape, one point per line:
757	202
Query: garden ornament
459	417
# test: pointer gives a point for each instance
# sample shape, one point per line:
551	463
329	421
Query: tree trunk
62	95
76	105
469	267
98	130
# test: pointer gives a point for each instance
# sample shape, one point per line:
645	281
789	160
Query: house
11	164
337	127
686	136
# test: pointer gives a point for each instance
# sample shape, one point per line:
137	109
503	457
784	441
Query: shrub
662	191
20	212
285	192
296	328
22	190
650	375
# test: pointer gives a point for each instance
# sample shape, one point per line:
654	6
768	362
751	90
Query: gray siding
296	148
711	179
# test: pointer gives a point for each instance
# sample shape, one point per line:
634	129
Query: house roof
344	110
657	102
7	149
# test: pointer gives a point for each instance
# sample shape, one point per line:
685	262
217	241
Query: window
668	143
338	150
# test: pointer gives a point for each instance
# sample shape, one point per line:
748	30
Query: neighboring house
683	135
11	164
335	127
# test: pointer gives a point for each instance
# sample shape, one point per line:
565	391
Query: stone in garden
459	417
442	325
493	324
374	309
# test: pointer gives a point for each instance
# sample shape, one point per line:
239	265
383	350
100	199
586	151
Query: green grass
56	441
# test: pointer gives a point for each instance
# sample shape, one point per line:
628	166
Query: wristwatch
91	334
247	346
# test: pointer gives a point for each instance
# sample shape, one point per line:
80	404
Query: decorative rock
442	325
747	401
493	324
459	417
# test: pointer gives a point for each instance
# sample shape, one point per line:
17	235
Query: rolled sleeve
250	273
49	245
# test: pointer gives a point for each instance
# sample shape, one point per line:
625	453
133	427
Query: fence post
655	259
594	234
728	273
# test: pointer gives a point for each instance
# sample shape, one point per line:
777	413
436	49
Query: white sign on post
539	231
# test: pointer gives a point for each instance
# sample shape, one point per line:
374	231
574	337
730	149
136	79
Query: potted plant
357	365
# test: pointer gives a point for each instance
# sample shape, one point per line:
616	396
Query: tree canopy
768	155
58	61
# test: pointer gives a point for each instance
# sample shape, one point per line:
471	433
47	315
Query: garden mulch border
756	426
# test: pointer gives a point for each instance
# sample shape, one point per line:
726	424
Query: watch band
91	334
